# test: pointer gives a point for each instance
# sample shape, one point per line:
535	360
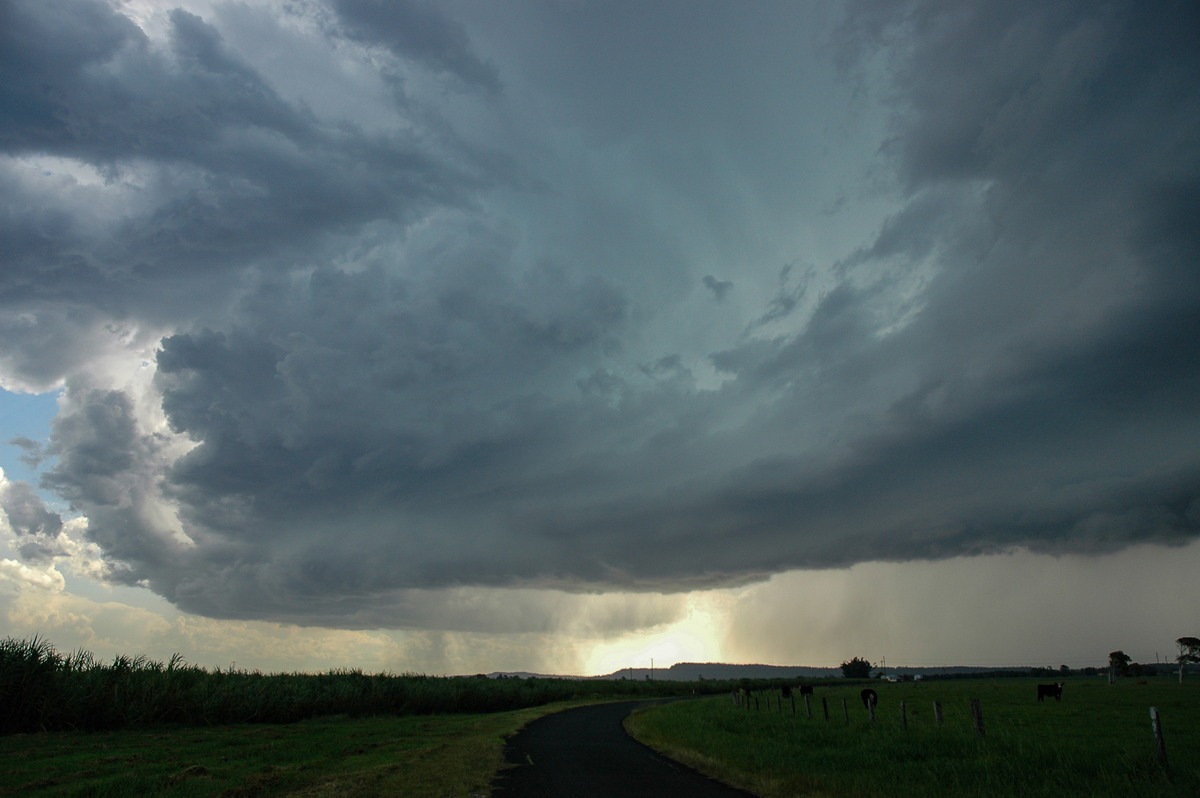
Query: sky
563	336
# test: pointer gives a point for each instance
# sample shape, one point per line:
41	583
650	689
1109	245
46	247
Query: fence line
975	705
1159	744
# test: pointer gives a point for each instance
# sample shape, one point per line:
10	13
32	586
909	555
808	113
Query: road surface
585	753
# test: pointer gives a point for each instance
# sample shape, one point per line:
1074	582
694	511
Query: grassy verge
1096	742
416	756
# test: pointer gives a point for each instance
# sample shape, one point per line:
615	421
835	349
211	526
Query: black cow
806	689
869	697
1054	690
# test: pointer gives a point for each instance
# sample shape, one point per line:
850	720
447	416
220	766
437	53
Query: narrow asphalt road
585	753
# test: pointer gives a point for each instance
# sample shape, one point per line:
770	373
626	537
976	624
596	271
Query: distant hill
694	672
721	671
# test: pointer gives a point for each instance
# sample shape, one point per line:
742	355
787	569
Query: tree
1189	651
1118	664
857	668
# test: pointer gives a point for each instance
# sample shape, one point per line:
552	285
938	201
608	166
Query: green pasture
407	757
1097	741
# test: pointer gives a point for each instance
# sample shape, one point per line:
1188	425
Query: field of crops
1098	741
44	690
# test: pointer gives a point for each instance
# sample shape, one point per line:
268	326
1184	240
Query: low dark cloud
719	288
26	514
209	169
469	348
417	31
32	450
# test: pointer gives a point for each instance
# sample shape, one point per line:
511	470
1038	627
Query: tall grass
42	689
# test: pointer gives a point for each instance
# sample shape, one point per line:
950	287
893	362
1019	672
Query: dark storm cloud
416	30
402	371
81	79
26	513
223	172
787	299
107	467
32	451
444	379
719	288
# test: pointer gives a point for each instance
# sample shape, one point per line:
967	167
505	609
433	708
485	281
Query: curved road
585	753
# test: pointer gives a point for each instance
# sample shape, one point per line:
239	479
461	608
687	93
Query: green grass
414	757
1096	742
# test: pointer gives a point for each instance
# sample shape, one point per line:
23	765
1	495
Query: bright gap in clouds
694	638
1003	610
26	418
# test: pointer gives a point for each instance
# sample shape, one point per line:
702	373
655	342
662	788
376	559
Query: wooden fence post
977	715
807	705
903	715
846	711
937	712
825	707
871	710
793	704
1156	725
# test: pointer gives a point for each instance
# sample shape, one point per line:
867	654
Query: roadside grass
1096	742
410	757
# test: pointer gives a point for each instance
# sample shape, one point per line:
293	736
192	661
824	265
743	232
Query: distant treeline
44	690
1134	669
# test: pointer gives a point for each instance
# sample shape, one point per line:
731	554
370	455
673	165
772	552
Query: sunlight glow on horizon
695	638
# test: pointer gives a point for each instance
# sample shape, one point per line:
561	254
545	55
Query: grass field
410	757
1097	742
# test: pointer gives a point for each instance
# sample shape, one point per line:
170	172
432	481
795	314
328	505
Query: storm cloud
597	297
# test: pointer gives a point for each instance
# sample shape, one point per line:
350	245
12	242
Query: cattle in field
806	689
869	697
1052	690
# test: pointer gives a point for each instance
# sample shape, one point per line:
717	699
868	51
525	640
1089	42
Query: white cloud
46	577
